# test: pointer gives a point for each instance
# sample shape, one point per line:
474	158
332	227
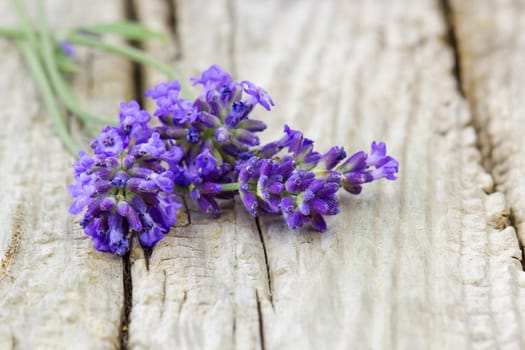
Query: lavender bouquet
208	148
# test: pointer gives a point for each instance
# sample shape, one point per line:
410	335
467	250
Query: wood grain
427	262
56	291
431	261
490	52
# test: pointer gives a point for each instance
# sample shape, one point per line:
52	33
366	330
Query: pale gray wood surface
430	261
56	291
491	50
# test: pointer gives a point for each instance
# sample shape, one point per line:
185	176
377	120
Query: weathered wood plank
490	49
56	291
426	262
200	290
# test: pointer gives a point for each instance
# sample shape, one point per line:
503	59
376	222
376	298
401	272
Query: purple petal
355	162
287	205
246	137
304	208
258	94
164	181
222	135
275	188
252	125
107	203
108	143
294	220
210	188
331	158
151	237
319	206
250	202
209	206
318	222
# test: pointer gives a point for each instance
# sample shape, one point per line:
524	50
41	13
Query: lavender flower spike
214	131
302	184
125	187
209	148
361	168
67	48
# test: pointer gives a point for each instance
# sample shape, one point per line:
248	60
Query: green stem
128	52
234	186
29	48
47	95
58	82
12	33
27	27
318	172
15	33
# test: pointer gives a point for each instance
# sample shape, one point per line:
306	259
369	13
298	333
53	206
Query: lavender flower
218	119
361	168
66	47
126	186
258	94
203	177
215	126
302	185
209	148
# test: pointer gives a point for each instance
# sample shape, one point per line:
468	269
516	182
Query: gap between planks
130	13
488	163
452	42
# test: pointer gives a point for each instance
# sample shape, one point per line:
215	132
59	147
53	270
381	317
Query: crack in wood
451	38
147	255
512	222
232	18
188	214
234	328
14	243
261	321
183	301
128	295
172	24
268	274
484	143
164	293
130	12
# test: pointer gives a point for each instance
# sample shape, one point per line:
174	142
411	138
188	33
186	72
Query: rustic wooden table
431	261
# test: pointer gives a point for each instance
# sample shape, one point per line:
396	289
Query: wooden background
431	261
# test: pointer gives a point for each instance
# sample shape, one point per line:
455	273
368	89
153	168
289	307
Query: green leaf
65	64
126	29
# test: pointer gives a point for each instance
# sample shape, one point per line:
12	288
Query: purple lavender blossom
281	187
361	168
258	95
166	96
67	48
133	120
215	126
209	147
213	78
302	184
203	177
218	118
126	186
